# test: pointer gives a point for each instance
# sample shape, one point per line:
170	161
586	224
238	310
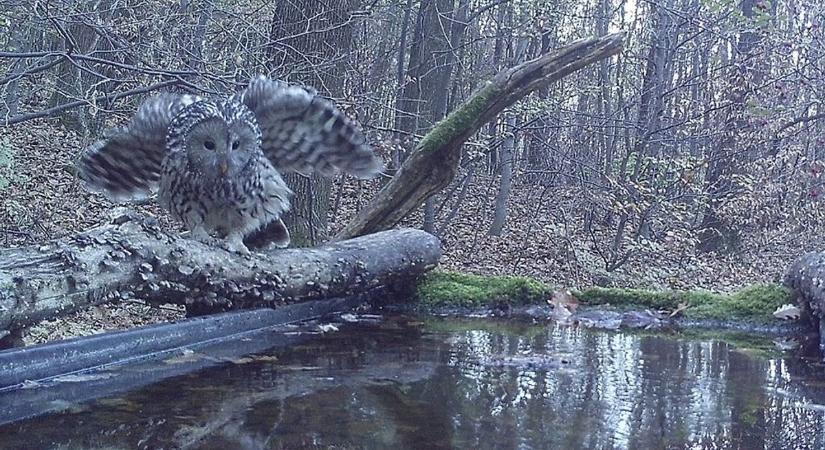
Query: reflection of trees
451	390
622	392
790	414
747	400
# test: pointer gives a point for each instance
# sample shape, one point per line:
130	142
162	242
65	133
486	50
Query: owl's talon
234	243
231	245
200	235
240	249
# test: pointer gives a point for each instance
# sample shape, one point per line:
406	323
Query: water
461	384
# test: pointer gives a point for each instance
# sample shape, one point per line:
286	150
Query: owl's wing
303	132
126	164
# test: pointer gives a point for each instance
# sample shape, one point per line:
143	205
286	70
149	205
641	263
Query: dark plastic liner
124	360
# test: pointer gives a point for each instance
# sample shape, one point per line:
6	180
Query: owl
216	164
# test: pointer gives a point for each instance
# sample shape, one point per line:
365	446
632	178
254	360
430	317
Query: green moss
754	303
458	289
459	120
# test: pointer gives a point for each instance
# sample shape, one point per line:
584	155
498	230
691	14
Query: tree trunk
537	150
507	154
308	217
724	161
311	44
72	82
506	170
423	100
400	85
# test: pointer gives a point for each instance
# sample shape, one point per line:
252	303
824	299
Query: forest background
692	159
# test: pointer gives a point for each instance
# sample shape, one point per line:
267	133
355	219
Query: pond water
446	383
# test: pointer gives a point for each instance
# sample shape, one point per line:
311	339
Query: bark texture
132	257
806	277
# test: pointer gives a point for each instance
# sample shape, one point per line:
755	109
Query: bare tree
311	44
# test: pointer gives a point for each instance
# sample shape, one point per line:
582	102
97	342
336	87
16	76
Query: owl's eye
235	145
209	145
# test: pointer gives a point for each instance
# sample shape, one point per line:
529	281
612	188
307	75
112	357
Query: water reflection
460	384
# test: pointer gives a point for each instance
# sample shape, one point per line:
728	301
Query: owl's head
221	140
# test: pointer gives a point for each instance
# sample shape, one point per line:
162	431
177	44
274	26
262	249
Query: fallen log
133	258
806	277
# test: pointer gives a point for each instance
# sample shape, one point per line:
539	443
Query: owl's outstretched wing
305	133
126	164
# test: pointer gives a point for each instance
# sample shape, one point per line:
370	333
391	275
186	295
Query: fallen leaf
786	344
564	299
80	378
787	312
679	309
327	327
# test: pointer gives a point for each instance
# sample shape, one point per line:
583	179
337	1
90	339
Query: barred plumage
214	163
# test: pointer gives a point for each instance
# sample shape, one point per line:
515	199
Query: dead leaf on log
787	312
681	307
565	299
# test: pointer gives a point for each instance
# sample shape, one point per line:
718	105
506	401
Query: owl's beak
223	167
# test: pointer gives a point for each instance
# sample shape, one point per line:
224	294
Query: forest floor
543	238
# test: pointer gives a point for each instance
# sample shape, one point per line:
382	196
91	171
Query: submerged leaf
186	356
327	327
80	378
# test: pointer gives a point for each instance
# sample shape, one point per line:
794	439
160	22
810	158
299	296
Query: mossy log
132	258
433	163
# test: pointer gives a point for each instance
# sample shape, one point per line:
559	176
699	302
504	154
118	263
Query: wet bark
132	258
805	277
